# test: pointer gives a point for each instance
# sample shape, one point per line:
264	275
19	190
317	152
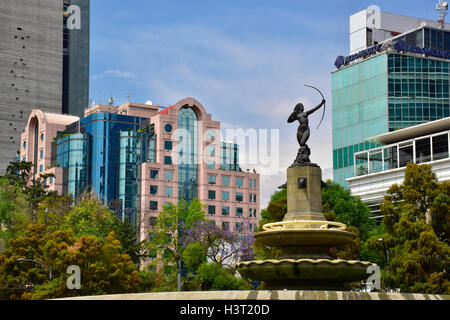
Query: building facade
377	169
401	81
44	64
136	159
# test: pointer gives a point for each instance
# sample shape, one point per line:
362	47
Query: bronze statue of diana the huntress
303	132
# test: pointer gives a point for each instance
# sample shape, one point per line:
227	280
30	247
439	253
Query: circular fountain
304	237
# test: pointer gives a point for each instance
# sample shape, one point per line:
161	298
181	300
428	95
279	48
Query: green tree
18	173
104	269
211	276
417	258
90	217
14	212
348	209
166	234
53	211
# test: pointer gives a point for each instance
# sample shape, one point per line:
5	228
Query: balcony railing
418	150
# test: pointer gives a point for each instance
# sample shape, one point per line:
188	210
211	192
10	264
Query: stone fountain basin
305	237
304	273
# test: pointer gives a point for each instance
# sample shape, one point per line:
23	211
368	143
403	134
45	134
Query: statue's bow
323	115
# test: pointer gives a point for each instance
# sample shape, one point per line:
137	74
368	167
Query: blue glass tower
102	153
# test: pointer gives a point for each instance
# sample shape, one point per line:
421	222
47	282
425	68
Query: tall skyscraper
44	63
396	77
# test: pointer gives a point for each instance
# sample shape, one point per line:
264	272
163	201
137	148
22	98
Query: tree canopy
416	249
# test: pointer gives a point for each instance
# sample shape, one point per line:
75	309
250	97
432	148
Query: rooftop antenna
129	96
110	101
442	8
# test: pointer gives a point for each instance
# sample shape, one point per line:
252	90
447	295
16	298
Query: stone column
304	193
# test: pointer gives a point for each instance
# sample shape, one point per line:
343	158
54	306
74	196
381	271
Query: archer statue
304	131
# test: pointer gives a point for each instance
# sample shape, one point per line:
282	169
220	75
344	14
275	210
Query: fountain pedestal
305	239
304	198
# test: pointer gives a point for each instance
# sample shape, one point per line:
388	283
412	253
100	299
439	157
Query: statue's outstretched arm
316	108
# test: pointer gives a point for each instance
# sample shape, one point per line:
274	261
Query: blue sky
246	61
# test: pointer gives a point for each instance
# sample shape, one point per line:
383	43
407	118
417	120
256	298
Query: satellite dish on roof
149	103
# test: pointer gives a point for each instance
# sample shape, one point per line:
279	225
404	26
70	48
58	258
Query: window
239	197
41	168
250	198
211	179
211	194
250	183
168	145
440	147
153	190
211	210
211	133
153	205
154	174
152	222
168	191
168	160
254	183
41	153
168	175
24	144
51	180
225	196
24	159
211	151
225	181
225	211
239	212
423	150
254	198
225	226
254	213
168	128
42	137
211	165
239	182
250	212
239	226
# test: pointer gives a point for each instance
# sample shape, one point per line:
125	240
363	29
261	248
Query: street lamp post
386	255
39	264
177	257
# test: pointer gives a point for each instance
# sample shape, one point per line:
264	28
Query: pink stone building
184	158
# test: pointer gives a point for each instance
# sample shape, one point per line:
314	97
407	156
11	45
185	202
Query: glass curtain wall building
102	153
187	154
404	85
72	155
135	147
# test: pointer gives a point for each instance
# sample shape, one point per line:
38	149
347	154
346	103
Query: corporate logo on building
401	46
341	60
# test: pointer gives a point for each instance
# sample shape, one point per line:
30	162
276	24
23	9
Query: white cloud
113	73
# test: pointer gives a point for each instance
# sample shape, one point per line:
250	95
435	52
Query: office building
136	158
394	79
44	64
377	169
